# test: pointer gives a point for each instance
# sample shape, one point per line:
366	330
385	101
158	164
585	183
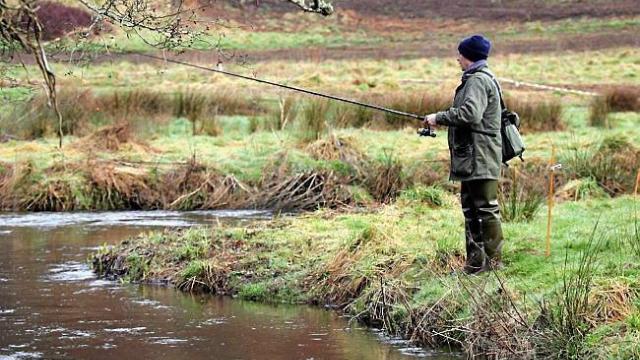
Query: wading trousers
483	231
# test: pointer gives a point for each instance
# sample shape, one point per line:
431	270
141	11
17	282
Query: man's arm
471	110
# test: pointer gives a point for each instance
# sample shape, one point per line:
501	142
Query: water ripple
22	355
70	271
130	218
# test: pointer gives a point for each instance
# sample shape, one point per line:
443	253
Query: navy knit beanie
475	48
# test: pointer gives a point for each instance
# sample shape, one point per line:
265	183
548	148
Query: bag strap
504	107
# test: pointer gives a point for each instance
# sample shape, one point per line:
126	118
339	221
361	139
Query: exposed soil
435	17
479	9
411	50
392	50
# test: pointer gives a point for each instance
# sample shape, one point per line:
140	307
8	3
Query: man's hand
429	120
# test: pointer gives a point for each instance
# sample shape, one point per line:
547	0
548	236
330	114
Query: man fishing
475	155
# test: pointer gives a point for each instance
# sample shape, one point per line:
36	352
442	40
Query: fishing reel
427	131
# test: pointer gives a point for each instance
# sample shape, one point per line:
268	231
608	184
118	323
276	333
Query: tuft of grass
519	199
137	267
564	319
124	104
196	245
34	118
633	236
286	114
313	123
254	292
582	189
431	195
385	178
599	110
191	105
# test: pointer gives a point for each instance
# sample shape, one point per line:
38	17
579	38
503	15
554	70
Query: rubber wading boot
476	256
491	232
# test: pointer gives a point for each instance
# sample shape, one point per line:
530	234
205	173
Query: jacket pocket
462	161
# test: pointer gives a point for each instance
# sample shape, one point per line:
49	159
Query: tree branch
316	6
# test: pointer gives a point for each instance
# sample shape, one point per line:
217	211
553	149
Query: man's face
464	62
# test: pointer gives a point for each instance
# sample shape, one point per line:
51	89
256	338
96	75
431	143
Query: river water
52	306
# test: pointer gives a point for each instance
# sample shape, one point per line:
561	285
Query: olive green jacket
476	106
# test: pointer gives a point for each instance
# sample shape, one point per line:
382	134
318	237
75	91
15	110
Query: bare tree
173	25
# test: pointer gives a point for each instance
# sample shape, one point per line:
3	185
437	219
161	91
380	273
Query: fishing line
424	132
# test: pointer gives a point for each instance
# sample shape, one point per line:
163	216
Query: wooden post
550	199
635	190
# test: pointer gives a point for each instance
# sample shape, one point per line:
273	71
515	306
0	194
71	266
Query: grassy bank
391	267
112	169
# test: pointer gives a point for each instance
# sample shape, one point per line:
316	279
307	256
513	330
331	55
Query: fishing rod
422	132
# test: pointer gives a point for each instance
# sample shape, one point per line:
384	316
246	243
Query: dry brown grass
197	186
304	191
212	276
613	165
345	150
380	287
335	148
15	182
338	285
498	329
112	138
610	302
112	187
6	184
56	195
385	178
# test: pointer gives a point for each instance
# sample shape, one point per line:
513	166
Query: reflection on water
52	305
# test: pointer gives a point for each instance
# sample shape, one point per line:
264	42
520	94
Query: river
52	306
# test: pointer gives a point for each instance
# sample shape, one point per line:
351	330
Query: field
367	193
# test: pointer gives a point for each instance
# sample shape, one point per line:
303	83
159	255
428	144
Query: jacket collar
476	66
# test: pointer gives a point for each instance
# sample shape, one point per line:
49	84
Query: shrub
538	115
623	99
615	99
613	164
59	19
